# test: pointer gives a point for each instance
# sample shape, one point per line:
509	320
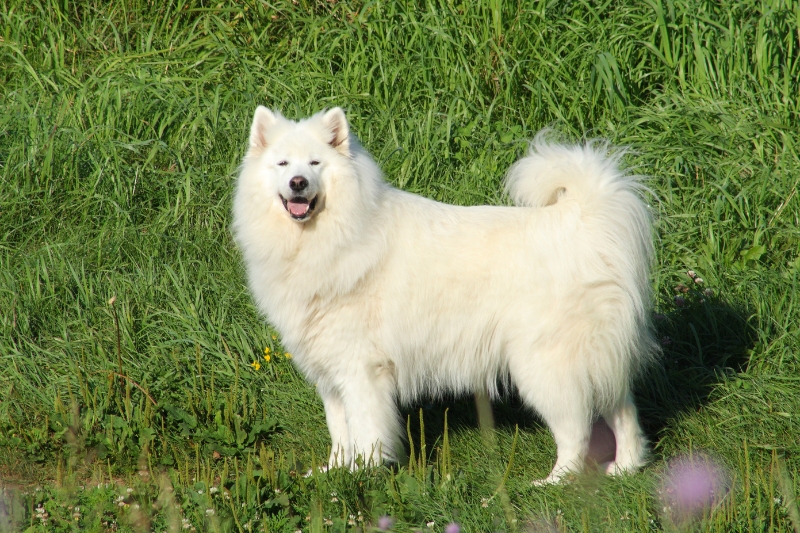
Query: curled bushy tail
617	223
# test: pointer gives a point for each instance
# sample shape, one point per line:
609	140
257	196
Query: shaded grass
123	125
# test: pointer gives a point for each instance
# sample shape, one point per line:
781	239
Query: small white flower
200	491
484	502
129	490
213	490
209	512
430	524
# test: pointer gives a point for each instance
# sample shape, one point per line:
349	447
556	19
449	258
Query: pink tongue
298	209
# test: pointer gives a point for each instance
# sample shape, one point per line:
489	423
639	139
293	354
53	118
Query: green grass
122	126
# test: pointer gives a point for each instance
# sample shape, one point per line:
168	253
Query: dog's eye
314	162
283	163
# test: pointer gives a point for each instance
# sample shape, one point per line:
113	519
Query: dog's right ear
263	120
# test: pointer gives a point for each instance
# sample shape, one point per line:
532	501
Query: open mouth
299	207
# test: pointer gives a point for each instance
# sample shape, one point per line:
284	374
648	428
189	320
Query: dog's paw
615	469
552	479
320	470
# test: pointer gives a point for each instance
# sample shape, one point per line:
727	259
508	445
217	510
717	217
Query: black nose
298	183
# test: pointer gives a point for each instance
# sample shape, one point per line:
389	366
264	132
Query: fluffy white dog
384	296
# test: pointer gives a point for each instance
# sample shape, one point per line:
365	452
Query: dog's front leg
341	447
373	422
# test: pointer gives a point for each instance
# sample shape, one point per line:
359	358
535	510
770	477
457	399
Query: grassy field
129	395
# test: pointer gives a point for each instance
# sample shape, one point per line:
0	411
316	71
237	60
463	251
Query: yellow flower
266	350
256	365
274	337
267	358
287	355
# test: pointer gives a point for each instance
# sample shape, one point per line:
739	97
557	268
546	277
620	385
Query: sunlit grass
122	125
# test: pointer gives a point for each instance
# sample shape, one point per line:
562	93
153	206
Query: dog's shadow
703	341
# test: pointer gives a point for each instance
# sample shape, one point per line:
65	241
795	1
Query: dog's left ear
336	123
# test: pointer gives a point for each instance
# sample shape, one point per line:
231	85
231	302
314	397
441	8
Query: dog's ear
263	120
336	123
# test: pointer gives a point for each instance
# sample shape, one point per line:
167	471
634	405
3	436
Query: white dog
384	296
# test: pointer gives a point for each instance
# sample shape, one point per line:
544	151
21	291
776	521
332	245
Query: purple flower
692	485
680	301
385	523
452	527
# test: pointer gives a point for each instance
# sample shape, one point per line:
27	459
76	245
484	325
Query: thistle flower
692	485
385	523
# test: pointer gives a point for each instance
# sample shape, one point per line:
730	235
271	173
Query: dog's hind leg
561	400
631	443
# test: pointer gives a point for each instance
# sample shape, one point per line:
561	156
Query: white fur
383	296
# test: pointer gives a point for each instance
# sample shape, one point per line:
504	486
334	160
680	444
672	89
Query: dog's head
296	159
